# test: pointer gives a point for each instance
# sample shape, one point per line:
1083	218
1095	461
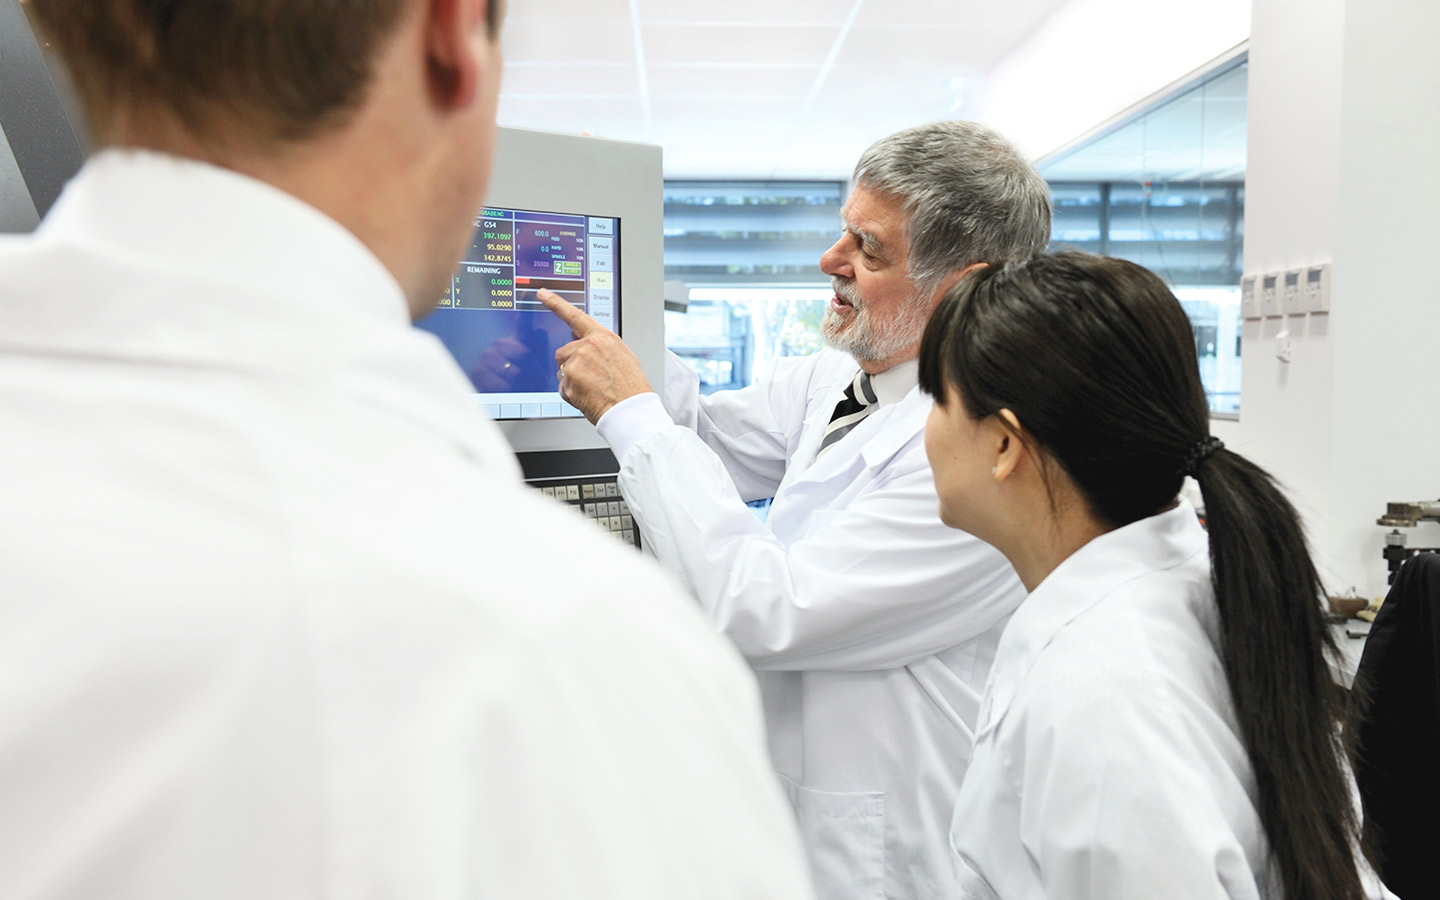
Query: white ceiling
753	88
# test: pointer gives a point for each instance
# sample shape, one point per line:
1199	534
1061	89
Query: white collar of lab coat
278	288
1082	580
229	226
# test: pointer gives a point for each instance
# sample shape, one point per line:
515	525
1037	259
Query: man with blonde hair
277	617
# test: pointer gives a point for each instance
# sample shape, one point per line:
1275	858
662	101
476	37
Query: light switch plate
1249	298
1270	294
1292	285
1317	288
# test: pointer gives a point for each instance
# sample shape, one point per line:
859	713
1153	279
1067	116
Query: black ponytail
1286	701
1097	359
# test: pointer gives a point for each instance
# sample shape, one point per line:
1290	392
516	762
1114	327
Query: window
750	253
1166	189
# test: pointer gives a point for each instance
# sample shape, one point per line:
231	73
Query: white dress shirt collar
894	383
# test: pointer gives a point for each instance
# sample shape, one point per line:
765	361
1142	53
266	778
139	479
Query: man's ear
954	278
455	45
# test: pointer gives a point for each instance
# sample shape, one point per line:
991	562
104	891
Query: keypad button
600	501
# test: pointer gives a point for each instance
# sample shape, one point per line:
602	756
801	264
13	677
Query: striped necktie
859	401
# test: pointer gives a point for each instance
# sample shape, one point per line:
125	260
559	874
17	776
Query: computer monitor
490	320
582	216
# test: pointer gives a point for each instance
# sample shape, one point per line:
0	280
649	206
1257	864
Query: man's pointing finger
580	324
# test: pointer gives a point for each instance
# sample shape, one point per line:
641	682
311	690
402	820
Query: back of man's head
256	73
969	195
314	97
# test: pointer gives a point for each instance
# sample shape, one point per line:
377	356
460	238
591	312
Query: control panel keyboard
597	498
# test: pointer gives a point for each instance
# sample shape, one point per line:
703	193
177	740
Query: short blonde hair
271	70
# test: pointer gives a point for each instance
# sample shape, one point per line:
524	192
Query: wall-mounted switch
1293	297
1249	298
1270	294
1317	289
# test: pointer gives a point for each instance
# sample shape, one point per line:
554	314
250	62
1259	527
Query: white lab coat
1108	763
872	625
277	617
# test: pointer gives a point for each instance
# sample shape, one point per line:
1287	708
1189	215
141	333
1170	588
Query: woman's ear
1011	451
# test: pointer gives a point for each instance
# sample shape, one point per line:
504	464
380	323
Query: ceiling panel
732	81
752	112
803	44
549	42
756	88
940	49
568	11
745	12
559	80
870	93
616	117
1012	15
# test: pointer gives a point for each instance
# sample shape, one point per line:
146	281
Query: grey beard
869	340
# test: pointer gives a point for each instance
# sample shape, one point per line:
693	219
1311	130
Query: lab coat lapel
851	464
874	441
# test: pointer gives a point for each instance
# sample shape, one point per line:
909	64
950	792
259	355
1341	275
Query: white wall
1344	103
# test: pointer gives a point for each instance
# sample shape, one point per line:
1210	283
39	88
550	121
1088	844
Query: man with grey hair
871	625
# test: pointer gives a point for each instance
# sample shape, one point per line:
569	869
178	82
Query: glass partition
1166	189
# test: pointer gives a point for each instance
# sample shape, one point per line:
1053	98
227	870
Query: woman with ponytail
1160	721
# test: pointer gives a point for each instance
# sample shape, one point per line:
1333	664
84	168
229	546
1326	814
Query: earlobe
998	471
1008	462
1011	449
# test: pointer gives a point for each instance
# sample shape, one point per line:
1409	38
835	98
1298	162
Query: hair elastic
1199	453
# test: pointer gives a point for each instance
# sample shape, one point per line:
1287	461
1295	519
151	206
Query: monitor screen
578	214
501	335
